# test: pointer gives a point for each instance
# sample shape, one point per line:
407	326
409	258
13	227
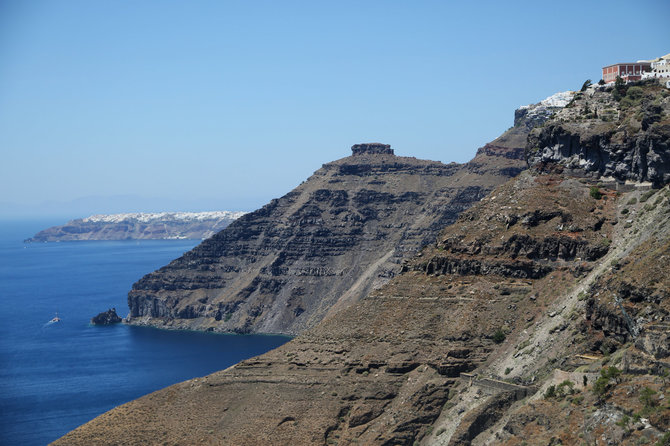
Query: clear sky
207	105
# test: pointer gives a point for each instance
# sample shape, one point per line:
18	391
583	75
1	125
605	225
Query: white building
660	68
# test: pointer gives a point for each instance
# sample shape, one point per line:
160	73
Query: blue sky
130	105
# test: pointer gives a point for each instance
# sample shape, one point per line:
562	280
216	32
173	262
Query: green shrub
664	440
567	387
632	201
550	392
620	89
647	195
635	93
611	373
647	398
499	336
594	192
623	422
626	102
600	386
624	211
586	84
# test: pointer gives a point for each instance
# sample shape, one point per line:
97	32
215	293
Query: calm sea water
55	377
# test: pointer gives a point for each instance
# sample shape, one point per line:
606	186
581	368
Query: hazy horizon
225	105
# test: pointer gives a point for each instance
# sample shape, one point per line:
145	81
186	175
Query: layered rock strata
623	134
382	370
539	317
322	246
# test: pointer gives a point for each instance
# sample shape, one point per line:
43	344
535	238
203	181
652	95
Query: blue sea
57	376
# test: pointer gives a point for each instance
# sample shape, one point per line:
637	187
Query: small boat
55	319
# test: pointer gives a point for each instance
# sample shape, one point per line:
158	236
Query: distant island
140	226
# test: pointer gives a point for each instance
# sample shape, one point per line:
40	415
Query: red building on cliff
626	71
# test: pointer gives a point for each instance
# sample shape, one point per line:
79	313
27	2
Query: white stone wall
659	69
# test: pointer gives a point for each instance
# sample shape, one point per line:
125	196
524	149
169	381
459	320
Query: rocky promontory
140	226
327	243
341	233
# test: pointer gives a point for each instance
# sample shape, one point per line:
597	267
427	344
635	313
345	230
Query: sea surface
57	376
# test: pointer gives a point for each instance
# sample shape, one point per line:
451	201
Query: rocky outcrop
373	148
140	226
108	317
324	245
535	115
628	140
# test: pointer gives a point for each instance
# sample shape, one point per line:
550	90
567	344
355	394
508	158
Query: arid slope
381	370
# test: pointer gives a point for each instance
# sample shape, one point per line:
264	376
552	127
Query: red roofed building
626	71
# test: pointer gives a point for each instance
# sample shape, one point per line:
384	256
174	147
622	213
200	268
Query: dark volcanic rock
381	370
322	246
372	149
108	317
385	370
626	140
327	243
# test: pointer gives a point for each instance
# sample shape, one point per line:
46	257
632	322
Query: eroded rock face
597	135
373	148
534	115
387	370
324	245
381	370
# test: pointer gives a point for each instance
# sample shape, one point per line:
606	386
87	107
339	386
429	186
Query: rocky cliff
516	296
539	317
324	245
618	132
140	226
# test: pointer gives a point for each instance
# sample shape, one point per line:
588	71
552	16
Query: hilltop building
660	68
642	69
627	71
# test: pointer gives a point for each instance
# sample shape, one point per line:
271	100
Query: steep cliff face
382	370
323	245
626	139
539	317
